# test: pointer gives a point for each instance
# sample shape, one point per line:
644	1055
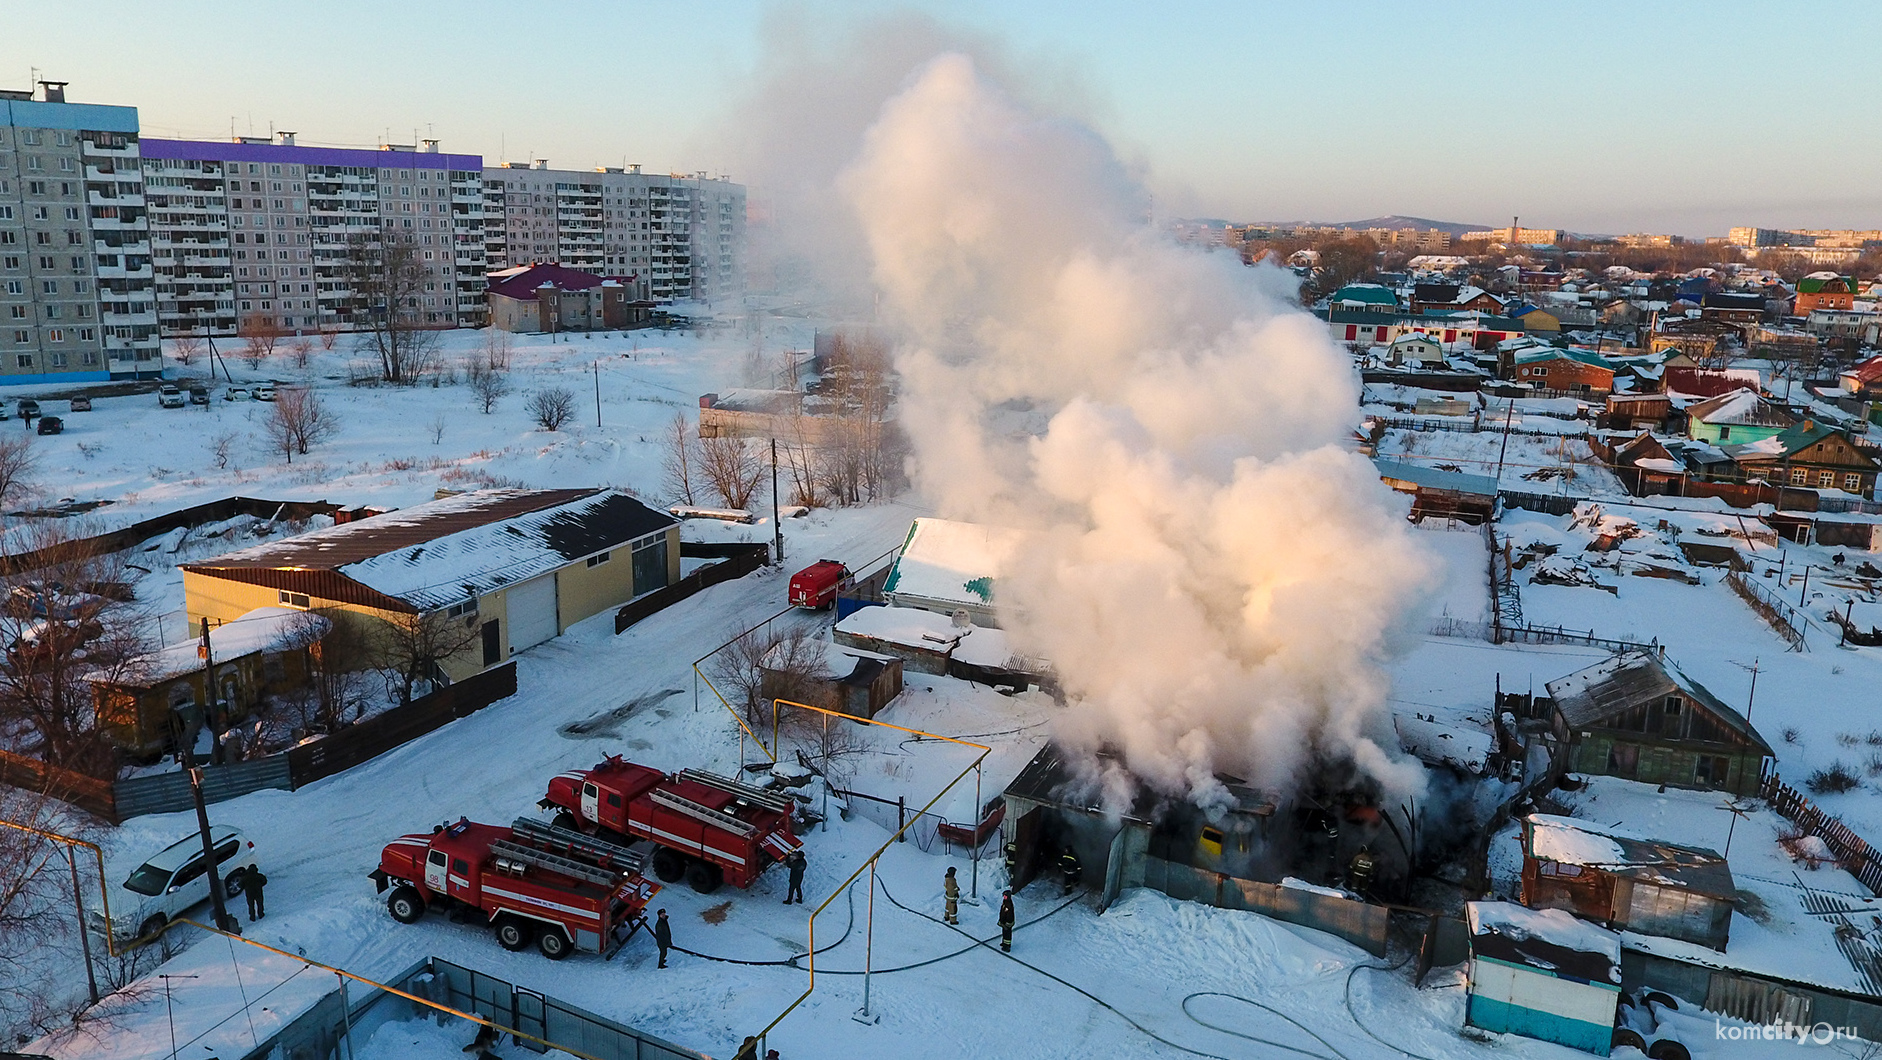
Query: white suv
169	884
169	397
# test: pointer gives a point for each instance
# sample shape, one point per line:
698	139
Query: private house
1824	290
490	572
1415	349
1633	412
931	643
1365	296
1636	716
1736	418
950	567
1542	973
1373	327
1864	380
1441	494
1647	467
787	415
1535	318
1736	308
153	699
1684	380
1625	881
1809	454
847	680
1564	371
1451	298
538	299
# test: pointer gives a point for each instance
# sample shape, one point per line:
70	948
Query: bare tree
488	384
185	348
258	342
764	662
17	461
436	427
301	350
551	407
298	421
222	447
64	623
733	467
386	277
496	350
415	644
328	336
680	461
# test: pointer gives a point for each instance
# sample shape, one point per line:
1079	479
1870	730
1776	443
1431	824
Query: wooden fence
739	560
125	537
1785	619
87	793
1854	853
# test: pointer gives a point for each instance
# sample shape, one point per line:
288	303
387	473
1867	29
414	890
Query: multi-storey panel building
76	294
682	236
254	233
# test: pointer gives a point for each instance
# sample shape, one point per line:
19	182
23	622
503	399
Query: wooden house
1736	418
1625	881
1810	454
148	703
1542	974
1636	716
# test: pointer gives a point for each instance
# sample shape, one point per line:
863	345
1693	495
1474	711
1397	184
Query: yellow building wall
582	591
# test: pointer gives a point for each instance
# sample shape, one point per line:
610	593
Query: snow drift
1213	575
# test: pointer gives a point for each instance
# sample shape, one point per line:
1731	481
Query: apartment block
76	291
253	232
682	236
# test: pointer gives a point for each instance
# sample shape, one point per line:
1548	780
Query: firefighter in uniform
663	936
1070	871
1359	871
1007	919
952	890
795	863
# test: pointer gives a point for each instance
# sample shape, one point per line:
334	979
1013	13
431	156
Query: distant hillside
1455	228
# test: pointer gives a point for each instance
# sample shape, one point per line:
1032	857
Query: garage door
531	605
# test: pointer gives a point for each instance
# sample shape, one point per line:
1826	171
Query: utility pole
212	713
597	393
168	1011
84	936
1503	451
777	526
1804	593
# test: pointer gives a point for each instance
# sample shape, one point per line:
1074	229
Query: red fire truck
705	827
815	586
530	881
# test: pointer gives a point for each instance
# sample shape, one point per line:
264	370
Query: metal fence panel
170	792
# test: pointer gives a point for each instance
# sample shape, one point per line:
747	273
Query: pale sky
1687	118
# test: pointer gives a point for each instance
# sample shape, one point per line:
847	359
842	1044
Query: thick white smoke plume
1213	575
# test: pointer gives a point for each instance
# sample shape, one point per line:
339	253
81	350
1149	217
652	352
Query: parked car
28	408
81	404
51	425
169	397
234	393
264	392
199	395
5	412
169	884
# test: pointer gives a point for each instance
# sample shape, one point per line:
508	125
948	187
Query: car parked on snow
235	393
177	878
264	391
199	395
169	397
81	404
51	425
28	408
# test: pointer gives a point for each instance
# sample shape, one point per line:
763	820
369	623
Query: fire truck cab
816	585
706	828
531	882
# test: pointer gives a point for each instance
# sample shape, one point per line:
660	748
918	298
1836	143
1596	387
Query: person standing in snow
663	936
795	862
1070	871
1007	920
952	890
252	883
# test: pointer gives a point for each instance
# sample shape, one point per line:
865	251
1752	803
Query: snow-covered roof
265	629
1738	408
1622	852
1434	742
1629	679
441	552
1548	940
944	561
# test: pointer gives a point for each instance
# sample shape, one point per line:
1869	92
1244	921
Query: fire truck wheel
669	865
405	905
566	819
704	877
513	934
553	944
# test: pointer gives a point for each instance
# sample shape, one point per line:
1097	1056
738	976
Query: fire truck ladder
624	861
759	797
680	804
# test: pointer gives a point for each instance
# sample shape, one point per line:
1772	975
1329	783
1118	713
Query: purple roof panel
227	151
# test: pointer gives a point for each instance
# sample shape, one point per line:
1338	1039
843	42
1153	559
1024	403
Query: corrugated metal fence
1362	924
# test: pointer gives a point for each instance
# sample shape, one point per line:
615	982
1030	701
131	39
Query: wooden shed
1637	716
1625	881
1542	974
854	682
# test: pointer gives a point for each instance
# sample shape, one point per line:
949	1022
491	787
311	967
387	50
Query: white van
167	885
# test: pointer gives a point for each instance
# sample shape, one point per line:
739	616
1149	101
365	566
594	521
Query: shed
854	682
1542	974
1443	494
949	566
1626	881
932	643
1637	716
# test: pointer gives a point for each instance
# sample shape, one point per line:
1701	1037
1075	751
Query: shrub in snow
551	407
1833	781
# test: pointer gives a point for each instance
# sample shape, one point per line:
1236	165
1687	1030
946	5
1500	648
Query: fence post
901	818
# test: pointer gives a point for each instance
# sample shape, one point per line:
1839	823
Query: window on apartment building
48	287
23	360
22	336
55	335
90	357
16	312
87	334
252	169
